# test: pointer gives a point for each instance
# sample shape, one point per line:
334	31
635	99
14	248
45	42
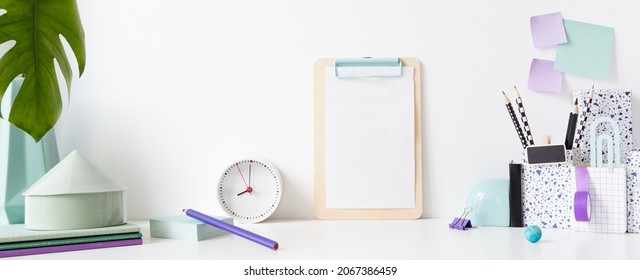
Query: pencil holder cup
612	103
633	191
547	193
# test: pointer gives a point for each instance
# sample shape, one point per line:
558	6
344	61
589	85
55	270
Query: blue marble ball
533	234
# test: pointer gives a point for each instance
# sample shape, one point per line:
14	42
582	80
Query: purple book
67	248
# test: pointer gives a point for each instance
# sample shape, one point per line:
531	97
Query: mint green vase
22	161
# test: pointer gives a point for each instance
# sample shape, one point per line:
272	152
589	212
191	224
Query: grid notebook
608	193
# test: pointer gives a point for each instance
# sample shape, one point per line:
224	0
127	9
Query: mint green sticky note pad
489	200
588	51
185	228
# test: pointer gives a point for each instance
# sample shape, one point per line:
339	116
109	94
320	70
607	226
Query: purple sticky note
547	30
543	77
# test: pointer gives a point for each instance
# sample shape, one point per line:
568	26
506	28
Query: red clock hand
242	176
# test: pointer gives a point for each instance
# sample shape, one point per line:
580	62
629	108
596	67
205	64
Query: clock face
250	190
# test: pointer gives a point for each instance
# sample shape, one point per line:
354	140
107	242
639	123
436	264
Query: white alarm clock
249	190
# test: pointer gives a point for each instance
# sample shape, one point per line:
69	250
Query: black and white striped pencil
514	119
583	120
523	116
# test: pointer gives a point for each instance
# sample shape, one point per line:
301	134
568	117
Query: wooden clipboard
319	99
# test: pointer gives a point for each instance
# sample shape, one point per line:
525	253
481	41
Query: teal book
17	232
185	228
68	241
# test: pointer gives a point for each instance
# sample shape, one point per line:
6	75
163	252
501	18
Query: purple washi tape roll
582	206
581	199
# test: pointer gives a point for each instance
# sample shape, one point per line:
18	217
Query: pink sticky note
548	30
543	77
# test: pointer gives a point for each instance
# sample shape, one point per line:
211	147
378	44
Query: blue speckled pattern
615	104
547	193
633	191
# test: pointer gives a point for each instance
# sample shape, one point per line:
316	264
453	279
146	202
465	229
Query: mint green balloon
489	200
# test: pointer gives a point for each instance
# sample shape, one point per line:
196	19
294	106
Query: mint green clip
613	144
394	65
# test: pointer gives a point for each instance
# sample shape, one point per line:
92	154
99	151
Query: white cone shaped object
74	194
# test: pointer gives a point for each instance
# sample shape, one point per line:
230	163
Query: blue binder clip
461	222
385	67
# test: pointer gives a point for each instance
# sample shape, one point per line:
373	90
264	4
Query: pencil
523	116
583	120
231	228
571	127
514	119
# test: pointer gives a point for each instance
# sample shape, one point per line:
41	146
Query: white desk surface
424	239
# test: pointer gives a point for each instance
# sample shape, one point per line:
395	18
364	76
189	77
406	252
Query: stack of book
15	240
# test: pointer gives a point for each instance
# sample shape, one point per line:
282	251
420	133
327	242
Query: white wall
175	90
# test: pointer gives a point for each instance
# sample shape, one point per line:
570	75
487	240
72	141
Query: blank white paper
370	160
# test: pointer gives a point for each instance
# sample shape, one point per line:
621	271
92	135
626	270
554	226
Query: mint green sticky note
588	50
185	228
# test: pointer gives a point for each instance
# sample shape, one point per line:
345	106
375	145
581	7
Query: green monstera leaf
36	27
